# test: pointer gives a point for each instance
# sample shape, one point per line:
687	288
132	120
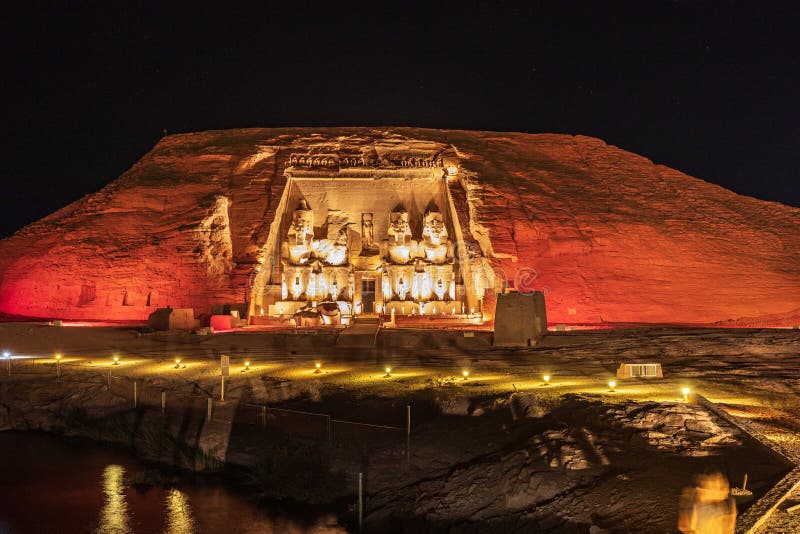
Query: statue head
433	228
341	237
398	223
302	220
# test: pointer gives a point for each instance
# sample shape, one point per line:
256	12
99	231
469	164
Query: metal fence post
108	380
360	501
135	394
408	434
209	406
264	416
163	403
328	421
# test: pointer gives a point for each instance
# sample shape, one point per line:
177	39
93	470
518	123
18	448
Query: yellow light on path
388	372
318	366
177	363
546	379
247	365
685	392
116	359
612	385
59	356
466	375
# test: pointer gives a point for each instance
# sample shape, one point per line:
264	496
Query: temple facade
356	238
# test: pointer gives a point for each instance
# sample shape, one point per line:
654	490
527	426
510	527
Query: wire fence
170	398
325	428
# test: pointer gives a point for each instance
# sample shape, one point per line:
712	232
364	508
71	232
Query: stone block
221	322
520	319
172	319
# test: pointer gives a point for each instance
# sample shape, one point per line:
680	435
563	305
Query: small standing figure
367	232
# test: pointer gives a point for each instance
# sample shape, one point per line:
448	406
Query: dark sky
710	88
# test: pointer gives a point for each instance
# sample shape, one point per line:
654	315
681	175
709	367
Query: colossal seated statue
299	245
400	248
435	246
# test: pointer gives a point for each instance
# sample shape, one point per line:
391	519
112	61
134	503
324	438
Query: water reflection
179	513
114	514
94	493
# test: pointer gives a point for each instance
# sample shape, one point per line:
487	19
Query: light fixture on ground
6	354
466	375
58	356
388	372
318	367
612	385
546	379
177	363
685	392
116	359
247	365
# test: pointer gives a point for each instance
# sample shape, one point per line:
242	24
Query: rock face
608	235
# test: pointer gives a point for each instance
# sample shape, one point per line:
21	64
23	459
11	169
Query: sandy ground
753	373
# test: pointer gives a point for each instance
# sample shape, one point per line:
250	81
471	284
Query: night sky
710	88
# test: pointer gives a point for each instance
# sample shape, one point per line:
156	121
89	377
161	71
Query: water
54	485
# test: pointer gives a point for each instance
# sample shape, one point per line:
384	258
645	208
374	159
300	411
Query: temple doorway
368	295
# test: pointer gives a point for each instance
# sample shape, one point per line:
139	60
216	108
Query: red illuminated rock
607	234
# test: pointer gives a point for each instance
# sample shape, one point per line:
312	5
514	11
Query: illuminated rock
607	235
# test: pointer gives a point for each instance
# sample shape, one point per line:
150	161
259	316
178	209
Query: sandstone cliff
607	234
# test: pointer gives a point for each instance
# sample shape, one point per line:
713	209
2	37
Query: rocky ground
499	450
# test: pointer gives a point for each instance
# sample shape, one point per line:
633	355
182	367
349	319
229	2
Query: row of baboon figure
359	161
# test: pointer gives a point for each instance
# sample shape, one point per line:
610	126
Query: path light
388	372
612	386
686	392
546	379
116	359
6	354
466	375
177	363
58	365
247	365
318	366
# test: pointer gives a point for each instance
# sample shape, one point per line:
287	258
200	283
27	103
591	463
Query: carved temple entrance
350	239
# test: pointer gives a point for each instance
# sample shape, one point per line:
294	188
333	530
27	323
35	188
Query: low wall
759	512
